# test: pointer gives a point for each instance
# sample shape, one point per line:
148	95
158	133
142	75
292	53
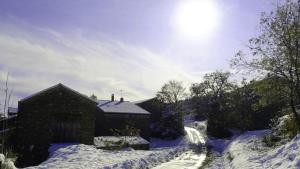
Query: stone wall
43	115
155	107
119	120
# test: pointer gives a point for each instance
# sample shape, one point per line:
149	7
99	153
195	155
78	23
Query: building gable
55	87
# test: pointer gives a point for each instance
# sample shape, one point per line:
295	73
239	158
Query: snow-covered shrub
289	127
283	129
128	130
111	145
2	158
6	163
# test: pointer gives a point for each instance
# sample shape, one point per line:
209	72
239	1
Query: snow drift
86	156
248	151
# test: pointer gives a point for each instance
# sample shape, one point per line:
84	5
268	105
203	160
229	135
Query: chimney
121	99
112	97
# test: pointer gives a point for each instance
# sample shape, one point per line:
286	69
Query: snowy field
79	156
245	151
248	151
84	156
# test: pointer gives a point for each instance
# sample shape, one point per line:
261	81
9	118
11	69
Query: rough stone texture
40	116
119	120
155	107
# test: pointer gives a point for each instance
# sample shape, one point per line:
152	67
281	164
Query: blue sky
103	46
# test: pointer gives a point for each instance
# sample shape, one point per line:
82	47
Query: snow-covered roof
55	86
120	107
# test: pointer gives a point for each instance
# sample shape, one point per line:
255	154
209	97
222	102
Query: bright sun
196	18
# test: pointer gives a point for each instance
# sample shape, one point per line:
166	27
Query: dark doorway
66	129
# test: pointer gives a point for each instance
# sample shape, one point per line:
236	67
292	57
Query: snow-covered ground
102	141
79	156
84	156
191	159
248	151
241	151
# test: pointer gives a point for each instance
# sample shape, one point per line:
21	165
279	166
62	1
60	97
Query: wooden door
66	129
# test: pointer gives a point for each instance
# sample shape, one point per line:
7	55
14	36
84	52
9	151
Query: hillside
248	151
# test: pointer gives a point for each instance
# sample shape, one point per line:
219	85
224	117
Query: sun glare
196	18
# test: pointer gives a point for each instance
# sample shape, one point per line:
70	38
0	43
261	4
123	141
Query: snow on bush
285	156
6	163
248	151
2	158
116	141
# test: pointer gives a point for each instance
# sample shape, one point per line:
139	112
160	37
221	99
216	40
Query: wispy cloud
87	64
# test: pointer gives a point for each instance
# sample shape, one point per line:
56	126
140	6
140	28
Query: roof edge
52	87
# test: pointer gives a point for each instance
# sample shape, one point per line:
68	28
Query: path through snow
80	156
190	159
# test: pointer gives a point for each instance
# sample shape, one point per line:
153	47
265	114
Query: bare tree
7	98
171	93
171	122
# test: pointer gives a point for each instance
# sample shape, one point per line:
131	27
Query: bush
289	128
283	129
218	122
218	130
8	164
171	125
271	140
